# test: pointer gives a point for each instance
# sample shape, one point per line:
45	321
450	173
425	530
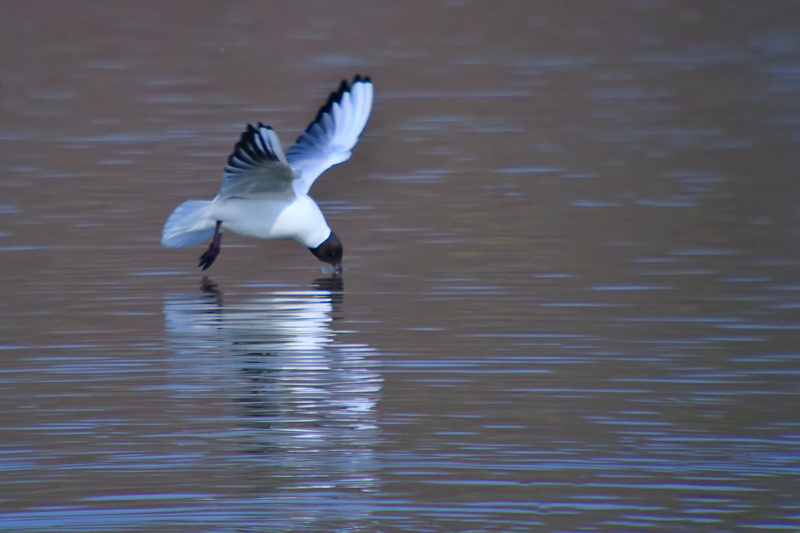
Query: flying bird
264	191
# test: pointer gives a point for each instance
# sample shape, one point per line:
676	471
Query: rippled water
571	299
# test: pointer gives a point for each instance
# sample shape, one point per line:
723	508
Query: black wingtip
248	145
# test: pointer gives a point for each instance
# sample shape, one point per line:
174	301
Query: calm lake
571	298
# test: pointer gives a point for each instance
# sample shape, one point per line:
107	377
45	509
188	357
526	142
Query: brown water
572	296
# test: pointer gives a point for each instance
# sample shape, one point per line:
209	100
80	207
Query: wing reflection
302	401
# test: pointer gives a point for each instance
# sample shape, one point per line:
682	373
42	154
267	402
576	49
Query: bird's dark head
330	251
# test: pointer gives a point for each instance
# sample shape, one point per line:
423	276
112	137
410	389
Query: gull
264	191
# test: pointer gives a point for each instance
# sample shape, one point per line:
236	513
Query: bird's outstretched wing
257	165
328	140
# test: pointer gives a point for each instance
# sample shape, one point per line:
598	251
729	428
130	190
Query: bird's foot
208	257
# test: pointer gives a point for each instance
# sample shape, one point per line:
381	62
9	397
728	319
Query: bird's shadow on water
298	397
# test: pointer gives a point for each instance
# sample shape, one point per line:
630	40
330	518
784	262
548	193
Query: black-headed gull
264	192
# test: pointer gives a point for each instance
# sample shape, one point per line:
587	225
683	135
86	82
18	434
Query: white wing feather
329	139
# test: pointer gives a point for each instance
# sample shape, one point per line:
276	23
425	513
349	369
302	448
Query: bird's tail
189	224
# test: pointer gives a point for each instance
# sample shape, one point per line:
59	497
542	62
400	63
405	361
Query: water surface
571	299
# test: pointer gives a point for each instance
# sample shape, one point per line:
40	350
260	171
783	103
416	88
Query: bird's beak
337	267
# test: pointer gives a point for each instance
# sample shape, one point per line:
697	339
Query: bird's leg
207	259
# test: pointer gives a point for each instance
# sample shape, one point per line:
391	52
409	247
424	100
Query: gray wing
334	132
257	165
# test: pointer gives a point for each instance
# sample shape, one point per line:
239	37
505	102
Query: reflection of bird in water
334	285
209	287
293	386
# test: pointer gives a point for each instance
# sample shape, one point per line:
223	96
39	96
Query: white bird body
264	193
272	218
